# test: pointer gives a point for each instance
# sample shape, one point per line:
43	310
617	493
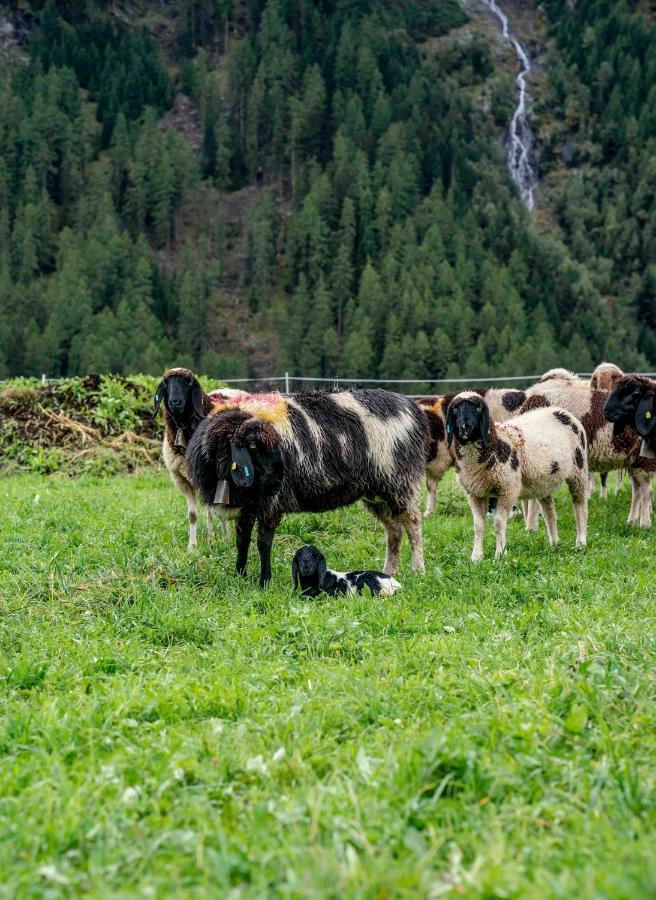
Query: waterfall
521	149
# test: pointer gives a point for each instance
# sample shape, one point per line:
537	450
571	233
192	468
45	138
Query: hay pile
98	424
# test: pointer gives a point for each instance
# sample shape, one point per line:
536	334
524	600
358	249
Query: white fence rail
290	381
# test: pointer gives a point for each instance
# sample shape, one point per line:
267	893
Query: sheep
608	449
185	406
313	451
502	403
310	570
529	457
633	402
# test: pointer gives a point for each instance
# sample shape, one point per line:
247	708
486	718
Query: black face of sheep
256	460
182	395
469	421
623	401
308	568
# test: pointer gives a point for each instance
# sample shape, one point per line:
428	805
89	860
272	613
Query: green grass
169	729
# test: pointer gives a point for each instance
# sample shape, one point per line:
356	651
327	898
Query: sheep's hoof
192	548
419	569
581	545
476	557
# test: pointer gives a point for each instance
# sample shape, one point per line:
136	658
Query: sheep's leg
264	543
603	493
432	482
394	538
619	474
634	512
210	527
478	507
244	531
532	515
645	504
591	484
411	521
504	505
578	490
548	508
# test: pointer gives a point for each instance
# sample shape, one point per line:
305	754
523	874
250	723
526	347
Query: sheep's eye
252	445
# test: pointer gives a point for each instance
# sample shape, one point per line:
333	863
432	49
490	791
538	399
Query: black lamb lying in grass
310	571
271	454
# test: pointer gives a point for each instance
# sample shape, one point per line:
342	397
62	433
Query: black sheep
274	454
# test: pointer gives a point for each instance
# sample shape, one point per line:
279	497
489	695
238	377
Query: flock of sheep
255	457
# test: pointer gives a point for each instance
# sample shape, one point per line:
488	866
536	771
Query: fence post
286	382
43	378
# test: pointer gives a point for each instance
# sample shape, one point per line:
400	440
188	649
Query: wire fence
413	387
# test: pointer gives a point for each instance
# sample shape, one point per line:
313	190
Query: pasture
169	729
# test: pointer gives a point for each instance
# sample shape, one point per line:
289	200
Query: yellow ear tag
647	415
233	466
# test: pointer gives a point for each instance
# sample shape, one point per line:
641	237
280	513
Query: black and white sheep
312	452
310	572
609	448
529	457
503	404
185	405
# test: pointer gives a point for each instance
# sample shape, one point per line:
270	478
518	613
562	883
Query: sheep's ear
241	467
450	421
322	569
197	400
485	425
645	417
295	573
160	394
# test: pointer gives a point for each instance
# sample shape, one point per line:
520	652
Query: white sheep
529	457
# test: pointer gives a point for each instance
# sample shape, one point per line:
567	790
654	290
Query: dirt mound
93	424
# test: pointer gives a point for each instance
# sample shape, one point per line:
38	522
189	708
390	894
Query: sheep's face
621	406
257	459
308	568
469	421
182	396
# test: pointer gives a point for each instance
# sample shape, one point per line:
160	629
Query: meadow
169	729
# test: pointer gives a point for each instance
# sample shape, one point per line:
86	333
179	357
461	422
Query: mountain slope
252	185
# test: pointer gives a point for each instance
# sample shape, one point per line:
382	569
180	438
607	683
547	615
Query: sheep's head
622	404
256	457
468	419
605	377
182	395
308	567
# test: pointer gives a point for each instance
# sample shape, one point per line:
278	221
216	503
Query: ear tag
241	468
156	398
647	415
180	440
222	495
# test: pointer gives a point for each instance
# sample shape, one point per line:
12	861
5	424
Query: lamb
608	448
185	406
313	452
502	403
529	457
309	568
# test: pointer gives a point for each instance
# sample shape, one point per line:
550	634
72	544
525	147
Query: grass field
169	729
